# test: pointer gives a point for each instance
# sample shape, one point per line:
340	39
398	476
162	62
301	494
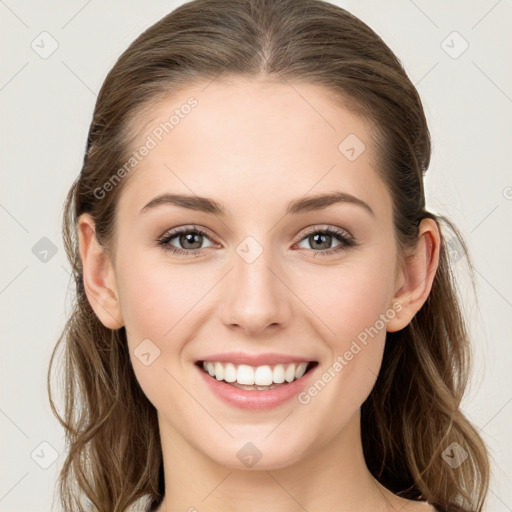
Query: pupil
323	238
189	238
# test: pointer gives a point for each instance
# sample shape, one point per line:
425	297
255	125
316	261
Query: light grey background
46	108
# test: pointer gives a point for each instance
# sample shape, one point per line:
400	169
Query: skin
254	146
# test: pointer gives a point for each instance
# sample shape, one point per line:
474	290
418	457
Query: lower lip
254	399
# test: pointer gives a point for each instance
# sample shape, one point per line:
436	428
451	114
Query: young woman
265	315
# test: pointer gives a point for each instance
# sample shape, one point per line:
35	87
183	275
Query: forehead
252	141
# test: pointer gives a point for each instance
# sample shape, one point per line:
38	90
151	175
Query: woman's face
262	279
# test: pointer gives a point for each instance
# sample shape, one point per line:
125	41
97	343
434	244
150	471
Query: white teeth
230	372
289	374
278	374
301	370
265	375
219	371
245	375
210	368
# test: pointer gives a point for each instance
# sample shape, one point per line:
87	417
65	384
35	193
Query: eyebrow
207	205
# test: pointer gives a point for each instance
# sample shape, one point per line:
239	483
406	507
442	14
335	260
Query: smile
260	378
255	387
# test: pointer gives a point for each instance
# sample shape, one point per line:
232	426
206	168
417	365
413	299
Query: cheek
156	302
154	296
352	306
349	298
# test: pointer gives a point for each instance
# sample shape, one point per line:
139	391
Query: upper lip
270	358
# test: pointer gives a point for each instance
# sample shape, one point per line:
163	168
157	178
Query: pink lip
254	399
255	360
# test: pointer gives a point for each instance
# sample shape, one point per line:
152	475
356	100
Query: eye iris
190	238
323	238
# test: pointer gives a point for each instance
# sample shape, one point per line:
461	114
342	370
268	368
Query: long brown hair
413	412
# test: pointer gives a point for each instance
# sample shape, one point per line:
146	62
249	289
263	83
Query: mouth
256	378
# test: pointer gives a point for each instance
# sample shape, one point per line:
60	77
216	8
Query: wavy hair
413	412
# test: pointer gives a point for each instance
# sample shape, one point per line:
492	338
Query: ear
414	281
99	277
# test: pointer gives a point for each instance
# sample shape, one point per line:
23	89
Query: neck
334	477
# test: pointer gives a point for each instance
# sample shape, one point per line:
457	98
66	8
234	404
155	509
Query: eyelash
345	240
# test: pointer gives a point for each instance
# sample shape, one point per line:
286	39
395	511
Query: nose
257	298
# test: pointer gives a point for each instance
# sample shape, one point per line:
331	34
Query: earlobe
418	275
98	275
